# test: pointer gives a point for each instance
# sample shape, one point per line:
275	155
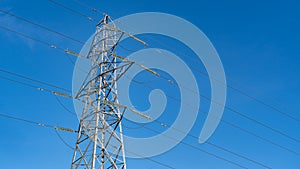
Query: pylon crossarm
138	64
129	35
131	109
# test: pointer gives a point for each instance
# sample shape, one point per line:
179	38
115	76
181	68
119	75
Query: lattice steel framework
99	143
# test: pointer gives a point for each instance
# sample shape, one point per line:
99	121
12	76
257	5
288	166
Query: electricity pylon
99	143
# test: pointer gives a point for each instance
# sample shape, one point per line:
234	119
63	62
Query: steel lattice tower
99	143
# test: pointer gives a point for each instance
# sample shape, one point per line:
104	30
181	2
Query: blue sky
258	44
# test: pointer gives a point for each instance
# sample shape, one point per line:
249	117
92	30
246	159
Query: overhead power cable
124	107
26	36
59	128
56	127
64	107
204	73
209	99
40	26
222	120
259	101
136	154
95	21
89	7
150	159
164	124
72	10
232	87
63	141
51	45
197	148
34	80
71	53
213	144
37	87
41	41
38	124
224	149
66	51
66	95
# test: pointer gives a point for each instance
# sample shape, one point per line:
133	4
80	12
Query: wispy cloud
25	28
13	24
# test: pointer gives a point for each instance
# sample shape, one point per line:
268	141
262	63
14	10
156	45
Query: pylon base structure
99	144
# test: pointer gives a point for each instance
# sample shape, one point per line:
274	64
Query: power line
164	44
89	7
215	79
197	148
159	123
30	86
207	142
222	148
215	145
25	120
48	44
150	159
204	73
58	128
41	26
226	107
261	102
176	99
34	80
64	107
76	54
94	20
41	41
210	142
25	84
26	36
222	120
72	10
38	124
146	158
63	141
37	87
